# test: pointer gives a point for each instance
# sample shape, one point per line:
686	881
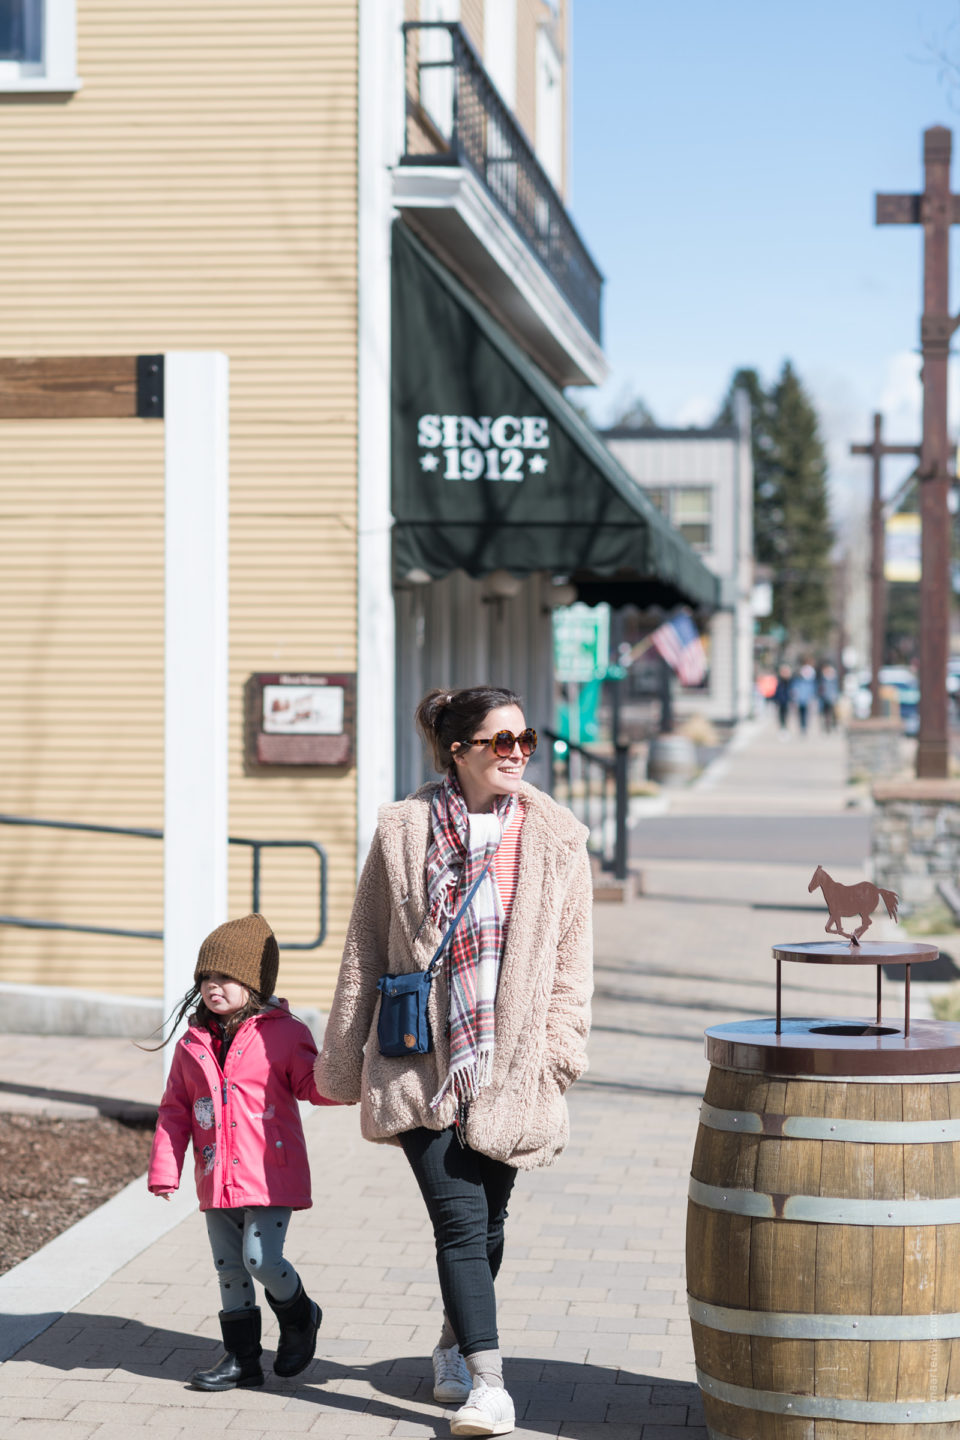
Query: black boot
240	1366
299	1322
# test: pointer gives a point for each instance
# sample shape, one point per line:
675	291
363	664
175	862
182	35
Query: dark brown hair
448	717
254	1003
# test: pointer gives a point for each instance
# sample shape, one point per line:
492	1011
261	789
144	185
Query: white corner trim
196	661
431	187
380	133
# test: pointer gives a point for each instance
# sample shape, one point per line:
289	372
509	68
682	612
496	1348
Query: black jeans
466	1196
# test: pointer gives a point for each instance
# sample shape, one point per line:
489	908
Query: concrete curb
37	1292
58	1010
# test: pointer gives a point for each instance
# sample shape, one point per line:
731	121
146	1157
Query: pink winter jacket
248	1144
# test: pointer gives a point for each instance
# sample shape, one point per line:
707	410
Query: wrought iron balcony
455	117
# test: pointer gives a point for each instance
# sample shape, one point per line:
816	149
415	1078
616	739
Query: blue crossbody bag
402	1025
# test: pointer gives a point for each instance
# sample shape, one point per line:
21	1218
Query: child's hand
163	1194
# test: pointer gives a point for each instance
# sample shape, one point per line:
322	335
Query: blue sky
724	162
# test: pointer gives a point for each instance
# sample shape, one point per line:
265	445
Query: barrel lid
840	1046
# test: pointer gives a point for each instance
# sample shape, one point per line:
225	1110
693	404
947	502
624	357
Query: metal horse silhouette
843	900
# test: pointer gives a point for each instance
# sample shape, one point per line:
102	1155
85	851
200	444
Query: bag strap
434	965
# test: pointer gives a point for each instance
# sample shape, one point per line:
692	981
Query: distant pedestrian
781	696
828	691
233	1089
509	1009
803	692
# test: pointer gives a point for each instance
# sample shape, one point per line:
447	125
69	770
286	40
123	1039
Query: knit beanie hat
246	950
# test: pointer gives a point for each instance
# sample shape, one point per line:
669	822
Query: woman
509	1009
782	696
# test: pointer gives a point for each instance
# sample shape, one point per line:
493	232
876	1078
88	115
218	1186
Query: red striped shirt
506	862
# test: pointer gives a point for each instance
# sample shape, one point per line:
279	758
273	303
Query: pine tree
790	509
801	596
767	516
630	411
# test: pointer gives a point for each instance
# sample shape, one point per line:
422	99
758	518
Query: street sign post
878	590
936	209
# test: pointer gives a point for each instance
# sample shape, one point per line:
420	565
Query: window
550	137
38	46
21	35
689	508
437	78
500	47
500	63
691	514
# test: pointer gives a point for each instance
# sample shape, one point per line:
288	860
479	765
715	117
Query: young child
236	1077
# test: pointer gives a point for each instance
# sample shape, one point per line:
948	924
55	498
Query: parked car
900	683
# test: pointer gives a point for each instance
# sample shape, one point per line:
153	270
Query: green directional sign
581	642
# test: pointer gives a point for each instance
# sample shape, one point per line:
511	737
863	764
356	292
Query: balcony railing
456	117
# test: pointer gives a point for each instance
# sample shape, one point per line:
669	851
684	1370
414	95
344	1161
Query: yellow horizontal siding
198	193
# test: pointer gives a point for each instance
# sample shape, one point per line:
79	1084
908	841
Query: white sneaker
451	1378
488	1411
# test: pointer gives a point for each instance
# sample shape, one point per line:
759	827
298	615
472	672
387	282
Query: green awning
494	470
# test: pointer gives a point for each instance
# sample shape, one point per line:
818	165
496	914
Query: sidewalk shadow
941	971
546	1392
132	1112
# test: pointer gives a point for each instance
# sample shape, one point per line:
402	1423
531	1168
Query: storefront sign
581	642
483	447
902	551
300	719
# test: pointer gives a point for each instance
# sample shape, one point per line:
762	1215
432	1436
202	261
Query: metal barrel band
782	1325
906	1077
828	1407
824	1209
808	1127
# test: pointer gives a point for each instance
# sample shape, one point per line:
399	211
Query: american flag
678	641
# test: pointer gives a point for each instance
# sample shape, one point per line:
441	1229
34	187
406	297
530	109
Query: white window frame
57	72
500	47
550	138
437	85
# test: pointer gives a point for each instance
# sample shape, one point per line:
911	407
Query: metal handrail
145	833
610	851
484	135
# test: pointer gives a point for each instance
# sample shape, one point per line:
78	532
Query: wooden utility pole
878	590
936	210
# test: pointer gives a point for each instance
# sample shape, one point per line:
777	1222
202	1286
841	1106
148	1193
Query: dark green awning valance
494	470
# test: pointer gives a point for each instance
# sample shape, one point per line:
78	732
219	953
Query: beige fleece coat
543	999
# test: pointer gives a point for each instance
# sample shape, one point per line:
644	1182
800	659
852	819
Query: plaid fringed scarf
462	845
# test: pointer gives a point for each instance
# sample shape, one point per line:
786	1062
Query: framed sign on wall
297	719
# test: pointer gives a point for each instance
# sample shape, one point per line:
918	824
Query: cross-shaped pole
936	210
878	593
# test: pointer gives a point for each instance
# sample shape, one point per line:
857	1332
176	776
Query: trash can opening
854	1028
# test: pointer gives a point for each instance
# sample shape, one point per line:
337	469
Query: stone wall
873	748
916	837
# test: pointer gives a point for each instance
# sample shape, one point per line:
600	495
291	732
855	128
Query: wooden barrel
671	759
823	1238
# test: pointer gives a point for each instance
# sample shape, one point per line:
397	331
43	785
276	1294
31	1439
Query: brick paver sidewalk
592	1302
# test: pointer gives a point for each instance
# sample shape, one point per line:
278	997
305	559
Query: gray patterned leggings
248	1244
